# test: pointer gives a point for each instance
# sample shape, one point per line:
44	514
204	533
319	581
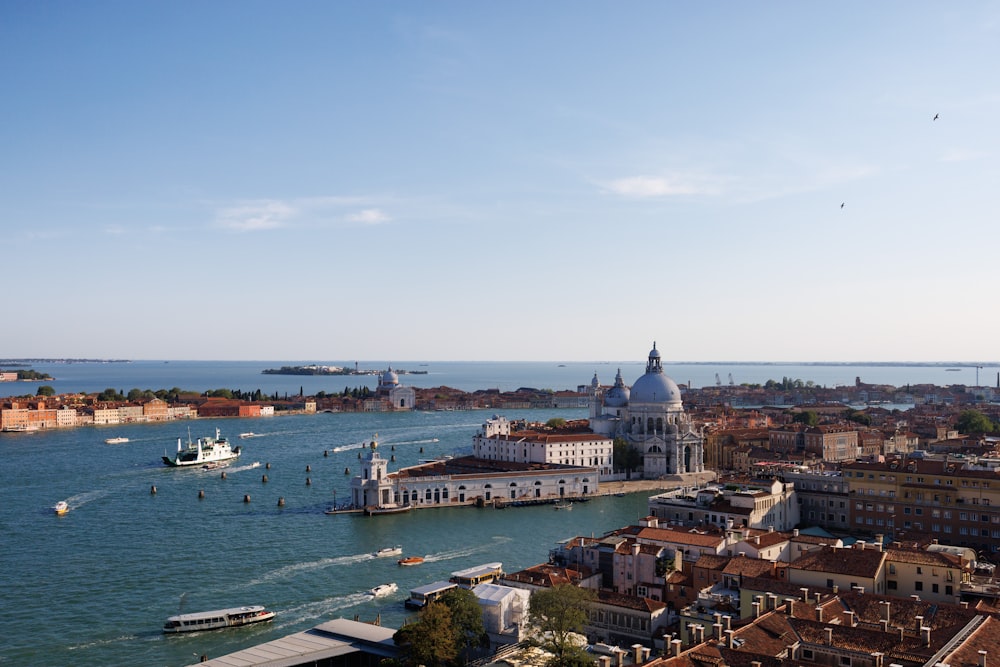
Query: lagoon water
93	587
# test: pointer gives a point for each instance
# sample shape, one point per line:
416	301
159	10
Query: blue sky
500	180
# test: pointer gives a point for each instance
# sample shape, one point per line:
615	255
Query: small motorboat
563	506
116	441
60	507
411	560
382	590
248	434
389	551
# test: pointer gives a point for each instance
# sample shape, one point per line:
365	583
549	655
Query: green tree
556	422
974	421
45	390
624	456
134	394
466	617
110	395
559	614
858	417
432	640
807	417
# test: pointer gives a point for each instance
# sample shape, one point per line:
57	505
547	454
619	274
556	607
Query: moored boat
410	560
561	505
233	617
383	589
116	441
389	551
60	508
204	450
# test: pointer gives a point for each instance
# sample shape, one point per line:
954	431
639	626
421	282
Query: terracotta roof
985	638
712	562
923	557
861	562
751	567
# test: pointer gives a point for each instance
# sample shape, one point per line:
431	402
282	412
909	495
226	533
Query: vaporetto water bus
218	619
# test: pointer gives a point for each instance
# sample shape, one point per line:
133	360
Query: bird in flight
841	204
935	117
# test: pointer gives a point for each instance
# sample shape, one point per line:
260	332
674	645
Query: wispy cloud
369	216
256	215
643	187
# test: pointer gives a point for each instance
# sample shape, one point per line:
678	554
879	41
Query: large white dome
655	386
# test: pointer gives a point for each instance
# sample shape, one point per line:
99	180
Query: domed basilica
650	417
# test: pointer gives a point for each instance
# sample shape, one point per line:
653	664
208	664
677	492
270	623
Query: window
918	585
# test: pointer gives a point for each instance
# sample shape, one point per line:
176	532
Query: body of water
246	376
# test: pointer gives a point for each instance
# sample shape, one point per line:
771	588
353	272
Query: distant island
331	370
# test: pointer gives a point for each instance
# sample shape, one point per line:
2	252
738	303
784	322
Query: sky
518	180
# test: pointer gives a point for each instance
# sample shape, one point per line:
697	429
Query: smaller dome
618	395
595	383
389	377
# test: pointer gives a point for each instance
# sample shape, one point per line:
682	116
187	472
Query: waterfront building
764	504
574	445
450	482
650	416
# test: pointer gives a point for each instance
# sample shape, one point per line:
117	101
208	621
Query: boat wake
81	499
309	611
411	442
310	566
101	642
243	468
344	448
471	551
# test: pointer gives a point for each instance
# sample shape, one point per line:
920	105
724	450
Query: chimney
819	614
829	636
860	544
788	605
886	605
836	589
772	601
795	532
756	609
819	596
677	647
964	604
885	625
637	653
926	632
850	619
728	622
717	627
982	658
878	658
859	589
920	621
756	663
604	661
729	639
699	633
902	635
805	594
620	658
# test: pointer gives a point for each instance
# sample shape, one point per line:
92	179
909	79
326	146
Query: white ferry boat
204	450
217	619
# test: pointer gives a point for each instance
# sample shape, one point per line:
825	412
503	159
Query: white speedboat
389	551
563	505
382	590
116	441
60	508
217	619
204	450
248	434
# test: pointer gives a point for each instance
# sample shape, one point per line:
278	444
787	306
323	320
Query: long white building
569	446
